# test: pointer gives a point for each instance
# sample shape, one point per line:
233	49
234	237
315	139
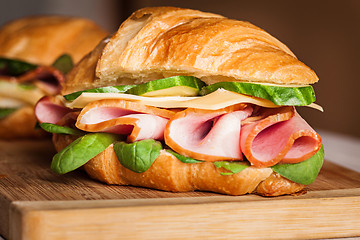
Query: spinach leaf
138	156
53	128
303	172
183	158
233	167
110	89
4	112
12	67
64	63
81	151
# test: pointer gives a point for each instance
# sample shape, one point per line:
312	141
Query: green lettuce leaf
303	172
183	158
12	67
137	156
64	63
53	128
233	167
81	151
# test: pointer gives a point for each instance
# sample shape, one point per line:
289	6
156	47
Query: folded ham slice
49	109
207	135
281	135
124	117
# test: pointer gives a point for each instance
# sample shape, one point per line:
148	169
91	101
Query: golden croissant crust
165	41
42	39
159	42
169	174
20	124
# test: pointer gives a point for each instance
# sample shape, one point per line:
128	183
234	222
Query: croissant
161	42
154	43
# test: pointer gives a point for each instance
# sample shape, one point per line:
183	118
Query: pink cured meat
108	117
207	135
138	126
46	78
281	136
49	110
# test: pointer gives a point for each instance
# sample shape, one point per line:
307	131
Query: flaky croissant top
165	41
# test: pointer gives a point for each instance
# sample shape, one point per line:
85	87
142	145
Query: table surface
340	149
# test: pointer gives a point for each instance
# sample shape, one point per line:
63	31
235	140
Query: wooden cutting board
38	204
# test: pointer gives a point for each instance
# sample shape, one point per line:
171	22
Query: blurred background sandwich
35	54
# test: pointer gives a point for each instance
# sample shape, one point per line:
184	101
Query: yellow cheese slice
13	90
216	100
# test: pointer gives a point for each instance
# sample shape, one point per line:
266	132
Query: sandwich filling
23	84
250	131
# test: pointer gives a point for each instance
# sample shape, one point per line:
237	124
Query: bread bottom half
20	125
169	174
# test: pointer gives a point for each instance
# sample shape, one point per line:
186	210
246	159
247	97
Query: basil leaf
81	151
137	156
110	89
4	112
53	128
233	167
303	172
183	158
64	63
12	67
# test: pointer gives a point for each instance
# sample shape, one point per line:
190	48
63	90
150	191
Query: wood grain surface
36	203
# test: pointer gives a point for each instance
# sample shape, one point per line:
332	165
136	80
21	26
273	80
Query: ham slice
207	135
46	78
50	110
124	117
280	136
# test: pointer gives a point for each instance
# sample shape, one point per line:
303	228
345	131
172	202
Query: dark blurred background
325	35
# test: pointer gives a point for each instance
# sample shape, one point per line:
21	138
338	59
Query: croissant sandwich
182	100
35	53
